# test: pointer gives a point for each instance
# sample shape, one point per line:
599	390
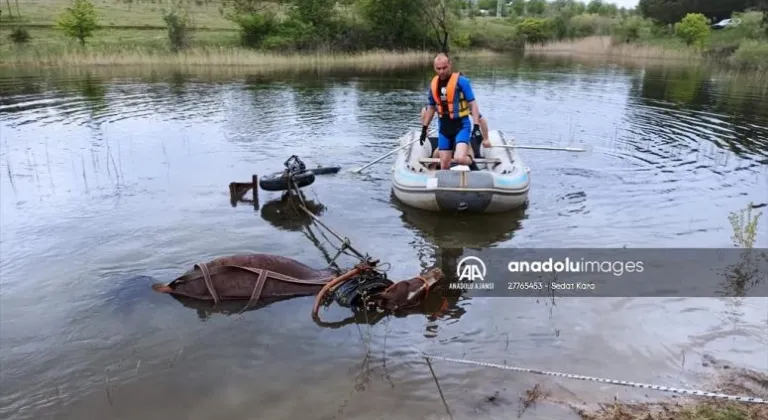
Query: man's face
442	68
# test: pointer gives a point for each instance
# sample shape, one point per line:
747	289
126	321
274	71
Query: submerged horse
261	279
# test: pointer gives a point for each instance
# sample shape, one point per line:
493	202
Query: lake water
112	183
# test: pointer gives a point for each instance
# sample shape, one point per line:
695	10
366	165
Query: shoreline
590	50
603	47
222	57
724	379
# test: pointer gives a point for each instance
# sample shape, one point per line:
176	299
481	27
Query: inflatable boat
499	183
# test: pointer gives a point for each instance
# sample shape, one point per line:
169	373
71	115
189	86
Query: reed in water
220	56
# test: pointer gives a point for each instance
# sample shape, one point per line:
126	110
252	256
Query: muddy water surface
112	183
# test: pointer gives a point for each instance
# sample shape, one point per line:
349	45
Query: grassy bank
742	47
188	60
355	32
114	13
602	46
743	382
136	35
678	411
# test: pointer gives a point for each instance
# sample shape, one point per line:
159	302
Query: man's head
443	66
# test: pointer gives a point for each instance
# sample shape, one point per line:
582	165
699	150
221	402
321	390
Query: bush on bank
399	25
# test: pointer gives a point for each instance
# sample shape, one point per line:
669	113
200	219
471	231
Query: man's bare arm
428	116
475	112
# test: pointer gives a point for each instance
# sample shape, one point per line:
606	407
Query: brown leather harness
262	274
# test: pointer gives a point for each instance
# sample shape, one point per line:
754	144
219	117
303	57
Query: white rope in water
604	380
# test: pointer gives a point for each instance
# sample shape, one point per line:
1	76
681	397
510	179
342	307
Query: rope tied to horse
353	288
358	290
294	167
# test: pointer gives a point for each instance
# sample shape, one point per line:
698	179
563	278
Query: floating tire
279	181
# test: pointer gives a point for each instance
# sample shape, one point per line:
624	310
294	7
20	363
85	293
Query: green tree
629	29
79	20
518	7
535	30
395	23
567	8
763	5
440	17
536	7
609	9
317	13
489	5
594	7
693	29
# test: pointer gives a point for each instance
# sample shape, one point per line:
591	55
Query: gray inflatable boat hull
497	187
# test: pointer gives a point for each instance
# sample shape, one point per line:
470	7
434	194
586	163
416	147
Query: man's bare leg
445	159
462	154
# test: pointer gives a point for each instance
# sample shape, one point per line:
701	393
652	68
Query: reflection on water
462	230
111	184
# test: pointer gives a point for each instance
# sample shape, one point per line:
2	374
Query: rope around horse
603	380
365	261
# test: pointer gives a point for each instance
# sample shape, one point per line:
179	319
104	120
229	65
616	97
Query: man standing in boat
473	140
451	97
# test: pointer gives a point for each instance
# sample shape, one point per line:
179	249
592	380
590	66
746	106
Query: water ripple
111	185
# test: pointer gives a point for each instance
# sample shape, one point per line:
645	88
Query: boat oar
564	149
325	170
382	157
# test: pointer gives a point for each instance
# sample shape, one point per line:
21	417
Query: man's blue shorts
448	136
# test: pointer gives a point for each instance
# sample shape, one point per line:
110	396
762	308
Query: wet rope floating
604	380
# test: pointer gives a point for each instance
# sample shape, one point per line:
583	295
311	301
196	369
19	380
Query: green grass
115	13
50	41
700	410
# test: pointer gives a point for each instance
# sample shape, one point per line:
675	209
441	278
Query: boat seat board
477	160
473	141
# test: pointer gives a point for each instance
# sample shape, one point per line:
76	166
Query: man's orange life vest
449	107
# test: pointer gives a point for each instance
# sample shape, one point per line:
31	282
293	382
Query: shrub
590	24
352	35
630	29
19	35
693	29
535	30
178	29
256	27
751	54
461	40
559	26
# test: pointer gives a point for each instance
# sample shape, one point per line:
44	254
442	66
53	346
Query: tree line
437	24
672	11
356	25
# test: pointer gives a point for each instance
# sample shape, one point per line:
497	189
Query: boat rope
604	380
352	287
345	242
